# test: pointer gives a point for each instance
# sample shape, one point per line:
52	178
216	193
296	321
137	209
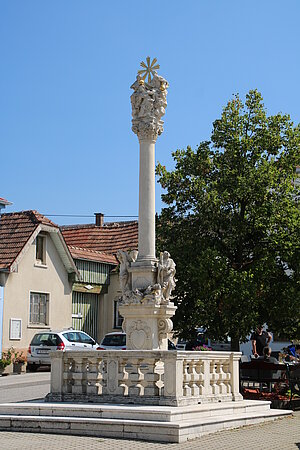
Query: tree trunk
235	344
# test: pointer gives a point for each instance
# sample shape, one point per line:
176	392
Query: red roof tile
92	255
109	238
15	230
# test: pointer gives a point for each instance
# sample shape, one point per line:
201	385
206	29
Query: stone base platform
149	423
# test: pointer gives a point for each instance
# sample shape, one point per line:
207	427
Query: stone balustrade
144	377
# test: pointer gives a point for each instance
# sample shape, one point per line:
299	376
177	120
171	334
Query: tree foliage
232	224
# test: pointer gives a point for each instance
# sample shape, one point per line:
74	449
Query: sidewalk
282	434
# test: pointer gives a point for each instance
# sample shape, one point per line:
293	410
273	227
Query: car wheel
32	367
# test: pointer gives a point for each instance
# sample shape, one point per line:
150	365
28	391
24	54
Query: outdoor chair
293	374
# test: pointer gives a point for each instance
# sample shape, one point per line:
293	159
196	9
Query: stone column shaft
147	201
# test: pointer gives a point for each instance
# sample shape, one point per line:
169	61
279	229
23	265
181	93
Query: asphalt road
24	387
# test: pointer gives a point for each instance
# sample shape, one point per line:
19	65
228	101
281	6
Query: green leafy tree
232	225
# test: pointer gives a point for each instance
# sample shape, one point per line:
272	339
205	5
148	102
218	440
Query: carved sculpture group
159	293
149	101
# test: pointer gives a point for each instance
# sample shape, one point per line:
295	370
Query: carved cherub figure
152	294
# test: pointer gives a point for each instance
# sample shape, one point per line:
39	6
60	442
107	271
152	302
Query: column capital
149	102
147	131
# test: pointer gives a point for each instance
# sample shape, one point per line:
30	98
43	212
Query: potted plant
5	362
202	348
19	362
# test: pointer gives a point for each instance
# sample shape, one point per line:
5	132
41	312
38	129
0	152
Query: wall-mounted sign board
15	329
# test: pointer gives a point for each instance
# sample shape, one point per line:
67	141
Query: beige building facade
55	278
36	278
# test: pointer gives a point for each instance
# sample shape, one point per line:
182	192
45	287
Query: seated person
268	374
267	356
293	353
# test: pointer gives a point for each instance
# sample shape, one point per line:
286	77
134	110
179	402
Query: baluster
151	377
141	369
131	377
134	377
194	379
222	377
79	376
92	376
69	369
199	369
102	377
226	372
123	377
99	375
214	377
186	379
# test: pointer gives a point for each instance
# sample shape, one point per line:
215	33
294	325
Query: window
39	308
49	339
72	336
40	249
114	340
85	339
118	319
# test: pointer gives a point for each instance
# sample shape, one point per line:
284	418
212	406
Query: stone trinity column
146	282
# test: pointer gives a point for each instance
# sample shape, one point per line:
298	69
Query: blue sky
66	69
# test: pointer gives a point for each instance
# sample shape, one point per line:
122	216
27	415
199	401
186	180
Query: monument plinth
147	282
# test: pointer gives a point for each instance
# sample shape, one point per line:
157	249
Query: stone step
179	429
157	413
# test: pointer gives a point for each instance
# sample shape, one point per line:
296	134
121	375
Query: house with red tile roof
36	276
96	294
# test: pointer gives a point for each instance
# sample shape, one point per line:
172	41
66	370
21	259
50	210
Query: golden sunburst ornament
148	68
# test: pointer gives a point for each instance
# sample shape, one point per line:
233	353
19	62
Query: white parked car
44	342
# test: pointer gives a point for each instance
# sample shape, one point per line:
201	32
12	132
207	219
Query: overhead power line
80	215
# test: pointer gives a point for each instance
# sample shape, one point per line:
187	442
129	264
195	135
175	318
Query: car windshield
49	339
115	340
79	337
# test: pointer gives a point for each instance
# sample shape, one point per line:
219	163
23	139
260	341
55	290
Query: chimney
99	219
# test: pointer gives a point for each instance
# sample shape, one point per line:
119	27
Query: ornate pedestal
145	303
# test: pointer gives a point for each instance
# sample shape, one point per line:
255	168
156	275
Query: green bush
6	359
